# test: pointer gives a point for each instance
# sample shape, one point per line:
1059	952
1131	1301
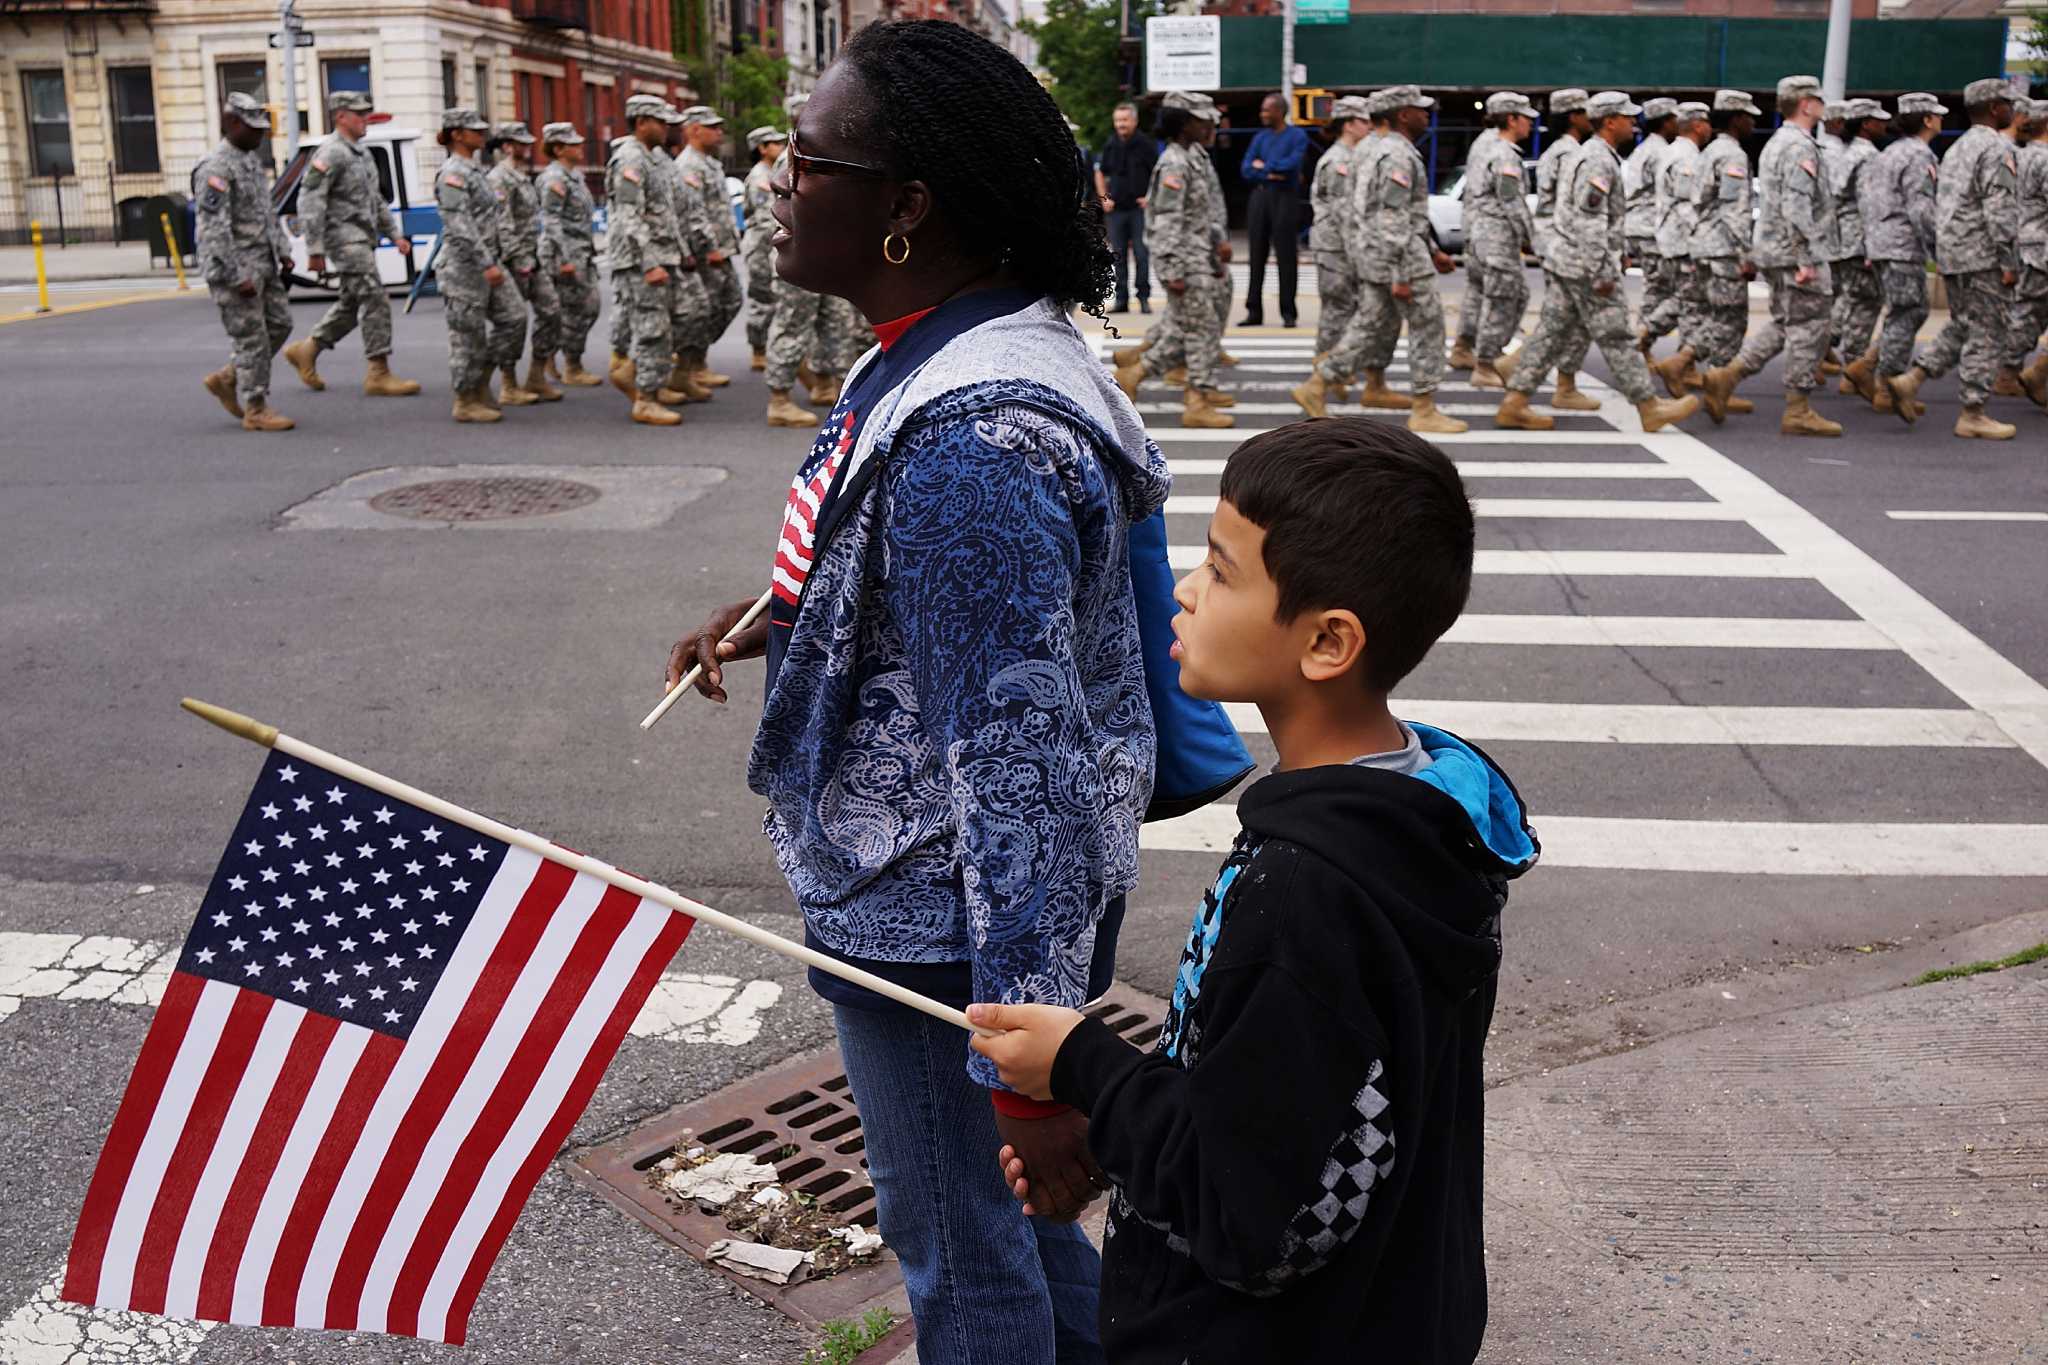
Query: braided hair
961	114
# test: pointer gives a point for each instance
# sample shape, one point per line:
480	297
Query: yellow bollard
35	237
171	245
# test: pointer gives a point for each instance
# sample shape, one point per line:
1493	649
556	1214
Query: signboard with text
1184	52
1322	11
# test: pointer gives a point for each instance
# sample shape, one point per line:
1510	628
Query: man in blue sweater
1273	170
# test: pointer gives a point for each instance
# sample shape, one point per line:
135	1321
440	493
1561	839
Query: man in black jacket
1122	173
1298	1166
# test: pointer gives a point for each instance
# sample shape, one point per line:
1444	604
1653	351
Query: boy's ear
1336	646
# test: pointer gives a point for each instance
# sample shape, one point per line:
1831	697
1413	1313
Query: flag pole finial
234	722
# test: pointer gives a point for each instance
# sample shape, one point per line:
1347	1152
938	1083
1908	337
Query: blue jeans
1127	232
987	1285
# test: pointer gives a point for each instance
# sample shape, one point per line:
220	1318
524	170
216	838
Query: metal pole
288	36
176	250
35	237
57	189
1834	77
1287	58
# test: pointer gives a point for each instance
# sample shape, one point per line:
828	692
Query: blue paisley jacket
957	748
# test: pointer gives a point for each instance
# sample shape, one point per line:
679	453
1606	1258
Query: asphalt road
151	549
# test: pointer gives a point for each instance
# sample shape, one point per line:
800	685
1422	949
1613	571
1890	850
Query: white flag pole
684	683
270	737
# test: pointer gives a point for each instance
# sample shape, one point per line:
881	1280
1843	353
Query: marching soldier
514	188
1219	232
1976	232
1569	130
1721	237
1498	230
568	246
486	319
1330	194
796	332
343	214
243	256
643	247
703	175
1795	236
689	301
1858	296
2031	310
1474	302
1397	264
622	314
1895	197
755	250
1676	217
1639	174
1585	297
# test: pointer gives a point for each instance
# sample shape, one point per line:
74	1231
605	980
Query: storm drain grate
491	499
798	1117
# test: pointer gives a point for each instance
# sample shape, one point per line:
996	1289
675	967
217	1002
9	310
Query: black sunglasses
801	166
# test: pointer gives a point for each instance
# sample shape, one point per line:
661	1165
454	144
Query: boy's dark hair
1362	516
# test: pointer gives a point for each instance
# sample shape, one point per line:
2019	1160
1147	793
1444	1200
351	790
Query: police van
394	151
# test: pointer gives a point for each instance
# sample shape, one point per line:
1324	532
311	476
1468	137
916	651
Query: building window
589	109
449	95
345	73
483	90
547	99
246	78
49	123
134	120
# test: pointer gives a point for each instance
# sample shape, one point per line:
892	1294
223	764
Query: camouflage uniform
567	238
1859	295
1498	229
704	180
1180	234
689	302
1976	231
2030	312
1895	202
759	256
622	308
1219	233
1677	170
1474	303
1589	216
1639	226
343	214
240	240
641	234
1570	354
486	322
1720	242
1392	246
514	188
1795	230
1336	282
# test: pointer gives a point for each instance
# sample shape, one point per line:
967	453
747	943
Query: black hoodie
1298	1164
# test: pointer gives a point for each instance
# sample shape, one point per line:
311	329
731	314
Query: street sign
1322	11
301	37
1184	52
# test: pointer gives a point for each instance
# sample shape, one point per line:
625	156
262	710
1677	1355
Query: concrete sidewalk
86	261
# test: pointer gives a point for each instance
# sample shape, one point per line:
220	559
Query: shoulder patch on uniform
1399	178
1172	182
1808	166
2012	163
319	165
1344	169
693	180
631	173
216	182
558	186
455	179
1511	168
1602	184
1739	172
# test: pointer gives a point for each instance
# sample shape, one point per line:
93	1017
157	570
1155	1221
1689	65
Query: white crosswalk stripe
1990	707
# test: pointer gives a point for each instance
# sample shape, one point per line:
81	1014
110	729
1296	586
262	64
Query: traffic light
1312	105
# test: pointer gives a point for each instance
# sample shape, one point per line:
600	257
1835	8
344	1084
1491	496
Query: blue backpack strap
1200	756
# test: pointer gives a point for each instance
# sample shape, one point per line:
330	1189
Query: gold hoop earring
895	237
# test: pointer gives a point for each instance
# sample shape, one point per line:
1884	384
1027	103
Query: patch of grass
2018	959
844	1339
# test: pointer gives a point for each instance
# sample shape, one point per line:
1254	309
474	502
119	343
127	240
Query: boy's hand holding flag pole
382	1027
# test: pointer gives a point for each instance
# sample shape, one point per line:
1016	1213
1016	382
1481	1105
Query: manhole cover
495	499
800	1118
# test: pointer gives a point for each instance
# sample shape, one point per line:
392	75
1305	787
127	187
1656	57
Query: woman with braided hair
958	739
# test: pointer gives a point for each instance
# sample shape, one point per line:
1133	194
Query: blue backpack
1200	755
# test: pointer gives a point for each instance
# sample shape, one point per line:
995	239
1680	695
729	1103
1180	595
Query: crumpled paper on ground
859	1241
776	1265
720	1180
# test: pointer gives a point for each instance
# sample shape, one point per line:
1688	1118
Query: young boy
1297	1165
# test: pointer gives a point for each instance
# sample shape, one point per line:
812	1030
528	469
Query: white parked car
395	153
1447	209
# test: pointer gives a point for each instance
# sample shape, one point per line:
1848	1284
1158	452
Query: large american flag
381	1029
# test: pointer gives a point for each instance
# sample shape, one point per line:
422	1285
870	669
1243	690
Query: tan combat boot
621	374
221	384
758	361
1196	412
379	382
826	394
470	407
1504	363
648	410
1424	418
1565	395
681	380
1177	377
1972	424
1715	386
2007	385
2034	380
574	373
1671	371
701	371
669	398
1658	413
805	375
1217	398
1461	357
782	412
300	355
1859	376
1129	377
510	394
1374	393
1313	394
1830	362
549	372
1801	420
537	384
257	415
487	398
1738	405
1485	375
1694	380
1339	390
1904	389
1225	358
1514	415
1124	356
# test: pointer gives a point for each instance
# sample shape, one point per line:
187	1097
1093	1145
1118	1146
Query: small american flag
381	1030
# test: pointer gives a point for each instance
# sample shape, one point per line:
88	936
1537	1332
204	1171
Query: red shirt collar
887	334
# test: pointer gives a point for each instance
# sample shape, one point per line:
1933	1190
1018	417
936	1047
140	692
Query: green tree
2035	36
1078	46
750	94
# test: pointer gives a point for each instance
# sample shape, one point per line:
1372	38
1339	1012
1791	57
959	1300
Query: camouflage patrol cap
1835	112
1735	102
1188	101
1920	102
1691	111
564	133
452	119
794	104
1661	107
1567	100
245	108
1405	97
349	101
765	133
1793	89
1991	89
1609	104
1858	110
1348	107
704	114
513	131
1504	102
644	106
